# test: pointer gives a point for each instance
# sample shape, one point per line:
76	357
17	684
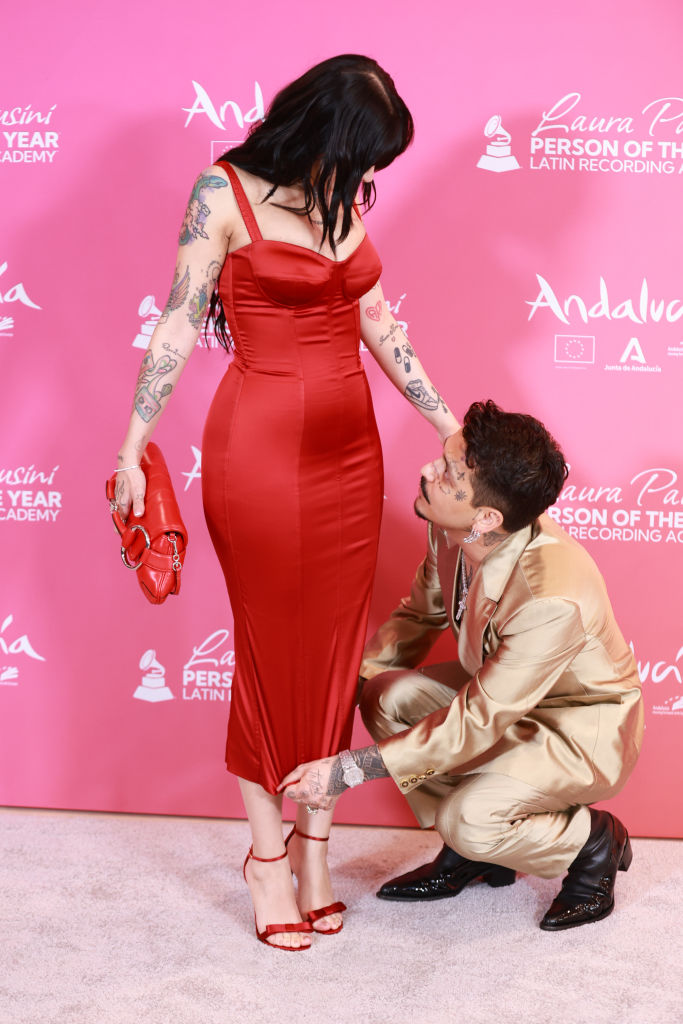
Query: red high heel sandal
334	908
276	929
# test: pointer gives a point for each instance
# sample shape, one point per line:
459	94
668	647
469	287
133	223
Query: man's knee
465	822
385	701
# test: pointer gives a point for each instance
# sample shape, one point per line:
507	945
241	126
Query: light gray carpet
123	919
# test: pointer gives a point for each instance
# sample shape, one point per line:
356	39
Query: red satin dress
293	487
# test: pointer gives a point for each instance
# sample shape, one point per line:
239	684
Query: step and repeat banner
531	247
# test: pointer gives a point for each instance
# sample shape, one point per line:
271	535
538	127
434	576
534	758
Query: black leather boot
445	876
587	893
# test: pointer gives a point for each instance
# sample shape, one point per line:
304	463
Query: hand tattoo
198	211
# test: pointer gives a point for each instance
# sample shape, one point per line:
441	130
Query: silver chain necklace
465	580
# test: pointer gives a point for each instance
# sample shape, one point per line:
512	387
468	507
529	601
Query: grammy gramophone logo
498	156
152	686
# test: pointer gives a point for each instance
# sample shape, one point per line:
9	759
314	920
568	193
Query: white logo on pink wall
665	675
28	495
574	349
573	136
196	472
27	136
229	116
152	688
14	647
498	156
11	291
648	509
221	146
206	675
643	307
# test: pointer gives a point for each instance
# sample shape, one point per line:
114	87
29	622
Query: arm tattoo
199	303
149	389
374	312
370	762
417	393
178	294
405	358
197	211
167	348
386	337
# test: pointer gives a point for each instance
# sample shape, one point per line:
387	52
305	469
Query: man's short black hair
517	467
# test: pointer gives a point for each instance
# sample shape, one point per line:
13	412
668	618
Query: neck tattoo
465	581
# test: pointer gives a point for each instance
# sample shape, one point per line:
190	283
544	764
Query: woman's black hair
322	133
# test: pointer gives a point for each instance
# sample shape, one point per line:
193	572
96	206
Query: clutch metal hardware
124	557
177	564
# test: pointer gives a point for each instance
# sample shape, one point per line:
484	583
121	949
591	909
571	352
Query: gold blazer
547	690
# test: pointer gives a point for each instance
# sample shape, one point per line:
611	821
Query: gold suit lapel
484	594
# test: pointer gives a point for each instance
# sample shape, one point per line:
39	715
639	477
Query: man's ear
488	519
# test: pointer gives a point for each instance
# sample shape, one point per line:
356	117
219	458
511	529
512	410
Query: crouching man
504	750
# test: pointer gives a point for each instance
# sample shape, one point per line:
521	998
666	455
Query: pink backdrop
548	279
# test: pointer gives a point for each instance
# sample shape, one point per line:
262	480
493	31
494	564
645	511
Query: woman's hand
130	491
451	427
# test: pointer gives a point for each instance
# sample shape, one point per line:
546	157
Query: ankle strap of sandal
265	860
318	839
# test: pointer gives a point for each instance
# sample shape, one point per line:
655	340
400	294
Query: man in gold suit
504	750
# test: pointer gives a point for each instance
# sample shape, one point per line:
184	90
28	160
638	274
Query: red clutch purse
152	545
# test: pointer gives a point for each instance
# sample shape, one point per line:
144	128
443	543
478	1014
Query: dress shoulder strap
242	201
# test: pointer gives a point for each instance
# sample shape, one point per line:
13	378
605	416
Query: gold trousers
482	815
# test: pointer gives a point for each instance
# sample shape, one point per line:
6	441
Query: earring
473	535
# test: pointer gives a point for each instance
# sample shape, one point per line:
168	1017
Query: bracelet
125	469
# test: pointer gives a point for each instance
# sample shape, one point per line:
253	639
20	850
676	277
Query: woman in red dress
291	461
